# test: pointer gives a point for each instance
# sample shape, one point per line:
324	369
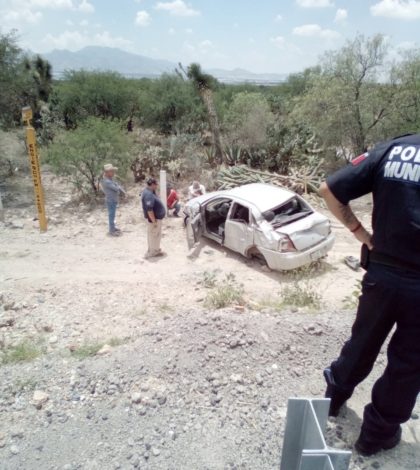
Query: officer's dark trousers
389	297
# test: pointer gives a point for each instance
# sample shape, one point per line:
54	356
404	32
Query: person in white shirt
195	190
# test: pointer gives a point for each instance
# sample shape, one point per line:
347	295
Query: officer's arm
345	215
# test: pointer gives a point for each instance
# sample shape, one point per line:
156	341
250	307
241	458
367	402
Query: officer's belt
386	260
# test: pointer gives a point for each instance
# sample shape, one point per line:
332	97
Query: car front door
195	228
239	229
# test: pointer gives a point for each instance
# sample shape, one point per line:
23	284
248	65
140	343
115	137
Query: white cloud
177	8
15	18
86	7
278	41
31	7
398	9
142	18
251	40
315	3
53	4
314	30
189	47
278	18
206	44
189	31
171	31
75	40
341	15
84	23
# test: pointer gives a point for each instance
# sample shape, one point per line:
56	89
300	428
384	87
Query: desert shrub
100	94
248	119
81	153
170	105
301	294
225	293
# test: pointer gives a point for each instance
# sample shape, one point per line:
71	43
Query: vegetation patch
24	351
351	301
87	349
90	349
301	294
225	293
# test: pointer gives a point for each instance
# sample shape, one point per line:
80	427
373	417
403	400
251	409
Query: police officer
390	288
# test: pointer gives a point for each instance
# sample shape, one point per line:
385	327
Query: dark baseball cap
151	181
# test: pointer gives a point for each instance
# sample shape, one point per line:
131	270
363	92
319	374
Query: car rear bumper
286	261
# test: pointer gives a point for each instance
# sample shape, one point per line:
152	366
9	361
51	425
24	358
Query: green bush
81	153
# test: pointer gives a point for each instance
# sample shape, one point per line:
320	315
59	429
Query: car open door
239	229
195	229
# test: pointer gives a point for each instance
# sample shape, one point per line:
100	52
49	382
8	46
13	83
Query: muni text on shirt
403	163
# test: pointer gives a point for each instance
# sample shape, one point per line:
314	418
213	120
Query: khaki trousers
154	235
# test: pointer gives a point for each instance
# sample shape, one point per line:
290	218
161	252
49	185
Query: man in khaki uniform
154	213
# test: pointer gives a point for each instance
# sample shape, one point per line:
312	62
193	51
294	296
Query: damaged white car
261	220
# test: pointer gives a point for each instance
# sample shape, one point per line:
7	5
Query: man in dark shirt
391	288
154	213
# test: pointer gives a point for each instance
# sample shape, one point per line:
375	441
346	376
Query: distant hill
138	66
107	59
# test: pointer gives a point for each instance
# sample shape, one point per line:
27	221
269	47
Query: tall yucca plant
41	73
204	84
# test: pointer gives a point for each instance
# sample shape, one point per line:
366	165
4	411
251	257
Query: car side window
240	214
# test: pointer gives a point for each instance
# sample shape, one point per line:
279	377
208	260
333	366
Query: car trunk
308	231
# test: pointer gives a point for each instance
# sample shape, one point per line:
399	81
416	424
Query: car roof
263	196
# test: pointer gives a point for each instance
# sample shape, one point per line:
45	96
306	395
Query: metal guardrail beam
304	446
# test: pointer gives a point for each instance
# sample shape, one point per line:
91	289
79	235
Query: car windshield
291	211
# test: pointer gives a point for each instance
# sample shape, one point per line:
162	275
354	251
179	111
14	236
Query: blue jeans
112	209
176	208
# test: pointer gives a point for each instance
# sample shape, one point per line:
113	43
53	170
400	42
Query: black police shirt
391	171
151	202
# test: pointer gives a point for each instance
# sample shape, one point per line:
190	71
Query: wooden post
163	195
35	169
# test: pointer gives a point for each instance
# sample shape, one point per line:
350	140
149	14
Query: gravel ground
191	390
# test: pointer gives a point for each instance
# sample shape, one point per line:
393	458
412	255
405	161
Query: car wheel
254	253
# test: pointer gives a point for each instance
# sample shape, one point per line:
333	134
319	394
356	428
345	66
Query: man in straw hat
112	192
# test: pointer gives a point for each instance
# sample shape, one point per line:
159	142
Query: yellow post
35	170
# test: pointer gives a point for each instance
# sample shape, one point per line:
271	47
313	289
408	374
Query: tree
81	153
407	76
24	81
39	73
11	80
205	84
100	94
346	105
248	119
170	105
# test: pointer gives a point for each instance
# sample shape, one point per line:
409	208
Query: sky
278	36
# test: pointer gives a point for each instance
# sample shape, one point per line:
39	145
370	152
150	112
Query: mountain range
138	66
